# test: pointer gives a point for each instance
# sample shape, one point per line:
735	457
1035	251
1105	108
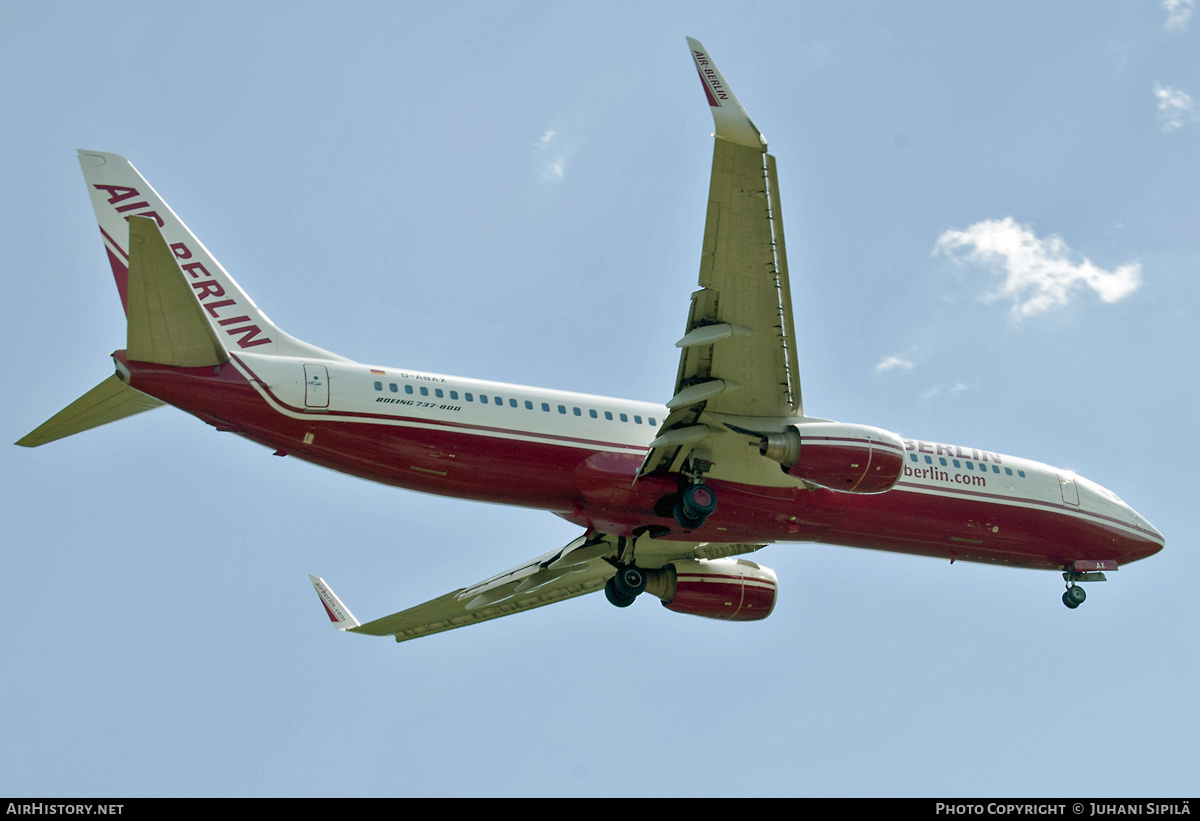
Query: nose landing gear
1074	596
1083	571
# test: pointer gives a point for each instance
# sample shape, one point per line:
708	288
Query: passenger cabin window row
486	399
969	465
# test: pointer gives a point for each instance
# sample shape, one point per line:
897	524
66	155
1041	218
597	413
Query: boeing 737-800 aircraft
668	496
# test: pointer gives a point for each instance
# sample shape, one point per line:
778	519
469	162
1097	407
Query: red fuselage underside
595	488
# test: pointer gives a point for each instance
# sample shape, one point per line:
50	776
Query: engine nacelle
727	589
849	458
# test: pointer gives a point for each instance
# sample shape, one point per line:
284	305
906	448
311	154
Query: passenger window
470	398
528	405
593	414
546	407
608	415
408	388
942	459
378	386
424	391
577	411
562	409
624	418
453	394
652	422
483	398
437	392
637	419
512	403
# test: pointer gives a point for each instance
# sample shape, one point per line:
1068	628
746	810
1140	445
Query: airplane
671	497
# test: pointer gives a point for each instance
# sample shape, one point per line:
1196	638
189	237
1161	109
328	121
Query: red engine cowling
727	589
849	458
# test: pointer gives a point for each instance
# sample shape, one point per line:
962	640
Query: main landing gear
696	503
626	586
631	582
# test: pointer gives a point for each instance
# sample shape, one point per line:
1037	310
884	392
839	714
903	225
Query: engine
727	589
848	458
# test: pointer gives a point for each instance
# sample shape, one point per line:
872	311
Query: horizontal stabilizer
109	401
166	323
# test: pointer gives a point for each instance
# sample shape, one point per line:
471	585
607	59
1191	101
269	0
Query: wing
738	352
583	566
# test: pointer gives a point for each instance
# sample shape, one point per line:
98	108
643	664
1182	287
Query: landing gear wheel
698	501
1074	596
616	598
685	521
629	582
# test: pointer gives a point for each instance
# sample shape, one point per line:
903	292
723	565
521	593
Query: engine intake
847	458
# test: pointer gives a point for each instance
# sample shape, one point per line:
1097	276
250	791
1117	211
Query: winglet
338	613
732	121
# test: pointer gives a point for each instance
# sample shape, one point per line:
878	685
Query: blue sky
991	214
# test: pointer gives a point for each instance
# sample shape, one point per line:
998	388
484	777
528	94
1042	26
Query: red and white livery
666	495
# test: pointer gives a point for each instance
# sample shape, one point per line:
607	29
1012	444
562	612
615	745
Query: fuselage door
316	386
1070	491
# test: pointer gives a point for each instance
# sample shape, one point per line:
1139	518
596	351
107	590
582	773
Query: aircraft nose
1155	541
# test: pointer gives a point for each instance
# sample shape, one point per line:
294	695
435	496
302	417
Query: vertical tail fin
119	192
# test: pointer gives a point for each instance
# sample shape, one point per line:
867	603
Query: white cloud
1039	274
1175	107
554	161
889	363
938	391
1178	13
